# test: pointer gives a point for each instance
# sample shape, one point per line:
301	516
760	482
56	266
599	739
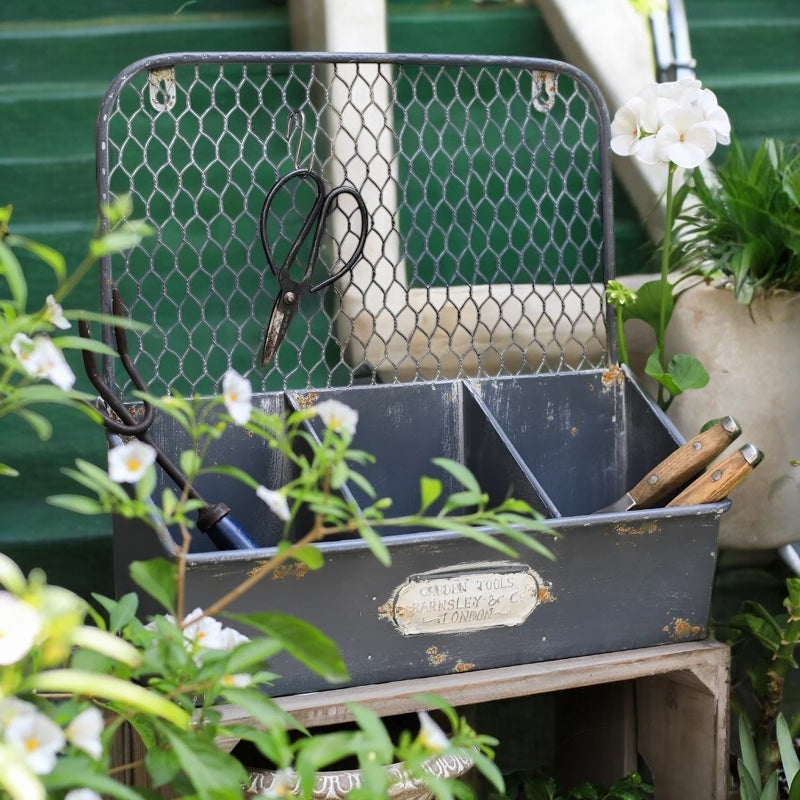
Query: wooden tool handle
721	479
684	463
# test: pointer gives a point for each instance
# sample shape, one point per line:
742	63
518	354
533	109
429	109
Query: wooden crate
668	703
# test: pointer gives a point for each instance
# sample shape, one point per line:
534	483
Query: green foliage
744	223
168	675
543	786
777	637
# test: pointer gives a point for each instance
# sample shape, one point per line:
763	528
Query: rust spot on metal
544	595
682	629
294	568
613	375
624	529
306	400
463	666
435	657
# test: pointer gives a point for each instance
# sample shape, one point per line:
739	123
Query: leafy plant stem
666	289
782	661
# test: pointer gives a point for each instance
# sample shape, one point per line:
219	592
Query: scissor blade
277	326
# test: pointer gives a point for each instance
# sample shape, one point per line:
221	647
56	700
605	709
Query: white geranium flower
37	739
677	121
55	314
716	115
237	394
20	624
42	359
84	732
82	794
685	138
430	734
276	502
632	124
337	416
128	462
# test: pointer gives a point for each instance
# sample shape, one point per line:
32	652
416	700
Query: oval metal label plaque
465	597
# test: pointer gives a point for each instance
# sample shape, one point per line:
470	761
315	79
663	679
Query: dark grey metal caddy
473	327
445	604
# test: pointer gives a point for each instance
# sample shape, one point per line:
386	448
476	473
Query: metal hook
291	124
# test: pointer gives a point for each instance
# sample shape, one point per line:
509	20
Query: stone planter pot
752	355
336	785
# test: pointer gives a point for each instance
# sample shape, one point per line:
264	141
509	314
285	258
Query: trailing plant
73	674
741	225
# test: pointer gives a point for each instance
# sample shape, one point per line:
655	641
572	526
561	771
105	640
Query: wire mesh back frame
488	181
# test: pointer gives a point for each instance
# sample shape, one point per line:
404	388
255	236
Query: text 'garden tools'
291	290
213	519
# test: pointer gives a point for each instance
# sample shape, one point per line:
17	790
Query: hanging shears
290	290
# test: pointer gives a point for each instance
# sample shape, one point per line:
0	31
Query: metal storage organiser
474	327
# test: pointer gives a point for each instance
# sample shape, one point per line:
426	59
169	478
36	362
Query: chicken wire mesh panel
486	183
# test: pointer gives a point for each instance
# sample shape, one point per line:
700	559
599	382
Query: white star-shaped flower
237	395
128	462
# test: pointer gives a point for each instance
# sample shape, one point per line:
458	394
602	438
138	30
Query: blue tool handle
224	531
227	534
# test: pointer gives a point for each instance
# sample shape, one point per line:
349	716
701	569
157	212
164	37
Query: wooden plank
705	659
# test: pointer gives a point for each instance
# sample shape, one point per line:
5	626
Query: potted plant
739	235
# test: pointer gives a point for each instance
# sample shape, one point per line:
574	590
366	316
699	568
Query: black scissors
291	290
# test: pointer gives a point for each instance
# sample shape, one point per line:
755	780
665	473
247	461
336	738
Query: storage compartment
406	426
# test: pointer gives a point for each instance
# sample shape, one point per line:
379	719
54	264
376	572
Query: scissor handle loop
316	217
327	205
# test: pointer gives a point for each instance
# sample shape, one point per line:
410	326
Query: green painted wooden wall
56	59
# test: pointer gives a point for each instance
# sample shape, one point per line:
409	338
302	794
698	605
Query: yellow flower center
31	744
134	464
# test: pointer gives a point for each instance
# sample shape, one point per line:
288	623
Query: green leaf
162	765
687	372
157	578
15	278
48	255
8	472
309	555
79	343
190	463
214	774
371	724
76	503
789	760
749	757
41	426
303	641
770	790
430	489
76	772
376	544
647	306
460	473
747	786
794	788
263	709
253	654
